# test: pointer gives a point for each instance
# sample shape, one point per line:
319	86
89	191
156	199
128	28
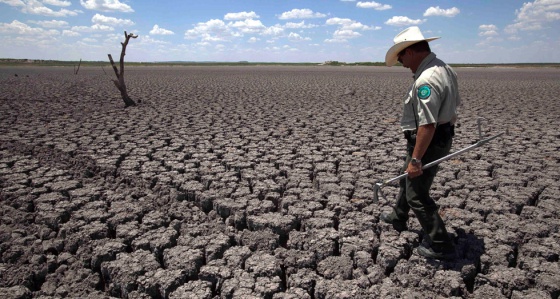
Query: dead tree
77	70
119	82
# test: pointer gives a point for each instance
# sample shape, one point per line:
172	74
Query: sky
471	31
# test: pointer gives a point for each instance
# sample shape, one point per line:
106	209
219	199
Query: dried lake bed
257	182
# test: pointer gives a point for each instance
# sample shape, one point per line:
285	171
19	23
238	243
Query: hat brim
391	56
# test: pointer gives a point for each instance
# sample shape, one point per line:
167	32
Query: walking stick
377	187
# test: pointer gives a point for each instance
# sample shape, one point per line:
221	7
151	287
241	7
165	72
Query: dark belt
443	133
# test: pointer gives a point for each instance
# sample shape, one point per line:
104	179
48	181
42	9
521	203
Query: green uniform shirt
434	96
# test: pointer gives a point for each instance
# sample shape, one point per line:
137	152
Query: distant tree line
41	62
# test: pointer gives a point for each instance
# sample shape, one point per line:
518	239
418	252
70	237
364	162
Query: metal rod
481	142
479	122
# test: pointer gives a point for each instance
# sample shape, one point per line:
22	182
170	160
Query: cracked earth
257	182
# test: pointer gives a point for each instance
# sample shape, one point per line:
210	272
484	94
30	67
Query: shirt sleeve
427	98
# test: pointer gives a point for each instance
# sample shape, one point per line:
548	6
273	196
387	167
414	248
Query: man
430	112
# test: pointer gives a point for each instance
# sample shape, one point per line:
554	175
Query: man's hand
414	170
423	138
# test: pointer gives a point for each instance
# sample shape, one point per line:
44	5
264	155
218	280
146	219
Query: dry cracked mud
257	182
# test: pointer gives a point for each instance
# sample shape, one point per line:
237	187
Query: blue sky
473	31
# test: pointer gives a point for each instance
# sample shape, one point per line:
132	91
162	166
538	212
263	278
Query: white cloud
274	30
345	34
338	21
523	26
57	3
146	39
305	13
37	8
70	33
347	29
436	11
213	30
488	30
335	40
101	19
347	24
374	5
296	37
106	5
488	33
234	16
16	3
533	15
51	24
100	27
300	25
253	40
283	48
488	27
545	10
216	30
20	28
160	31
403	21
92	28
89	40
248	26
45	11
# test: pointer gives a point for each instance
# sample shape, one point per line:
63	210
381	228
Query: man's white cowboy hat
407	37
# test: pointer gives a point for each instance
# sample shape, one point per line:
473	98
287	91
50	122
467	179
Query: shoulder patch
424	91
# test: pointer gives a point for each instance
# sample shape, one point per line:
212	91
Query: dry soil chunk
336	267
322	242
185	259
278	223
122	274
199	289
263	264
161	282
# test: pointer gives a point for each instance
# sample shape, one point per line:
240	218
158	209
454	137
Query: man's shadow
469	249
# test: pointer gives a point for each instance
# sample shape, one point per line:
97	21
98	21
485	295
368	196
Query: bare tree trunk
119	82
77	70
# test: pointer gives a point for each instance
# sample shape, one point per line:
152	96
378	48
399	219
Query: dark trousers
414	195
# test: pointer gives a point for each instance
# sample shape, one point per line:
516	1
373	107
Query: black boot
390	218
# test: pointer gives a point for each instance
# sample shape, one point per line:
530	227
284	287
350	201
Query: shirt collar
424	64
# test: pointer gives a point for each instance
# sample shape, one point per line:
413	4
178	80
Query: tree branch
113	64
119	82
123	52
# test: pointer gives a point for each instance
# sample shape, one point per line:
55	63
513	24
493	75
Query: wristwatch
415	161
